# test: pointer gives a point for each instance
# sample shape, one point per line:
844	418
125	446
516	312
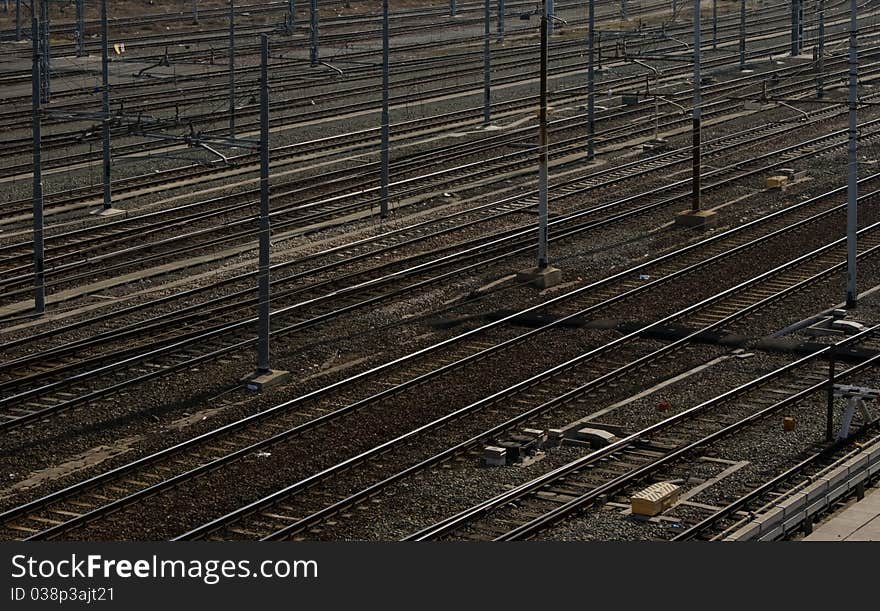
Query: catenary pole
385	152
742	35
500	20
852	159
487	66
105	108
263	364
820	64
39	277
313	32
45	77
591	80
80	28
290	19
697	116
543	155
714	24
232	69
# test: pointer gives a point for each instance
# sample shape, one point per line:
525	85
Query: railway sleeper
553	497
67	514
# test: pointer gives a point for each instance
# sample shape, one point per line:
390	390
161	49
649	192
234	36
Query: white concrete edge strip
813	499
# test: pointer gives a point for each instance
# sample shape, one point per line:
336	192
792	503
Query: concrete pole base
540	278
107	212
757	105
701	219
656	145
258	380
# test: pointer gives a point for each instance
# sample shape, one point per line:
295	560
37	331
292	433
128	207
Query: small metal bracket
856	398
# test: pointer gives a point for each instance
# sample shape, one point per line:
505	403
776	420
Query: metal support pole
105	107
232	69
714	24
500	20
829	411
46	81
551	10
195	12
797	27
853	161
39	276
543	156
453	8
383	204
742	35
623	10
800	25
313	32
265	233
45	77
695	205
591	81
80	28
487	67
656	117
290	19
17	19
820	64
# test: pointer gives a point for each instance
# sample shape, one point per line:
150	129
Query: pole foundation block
107	211
258	381
701	219
540	278
658	145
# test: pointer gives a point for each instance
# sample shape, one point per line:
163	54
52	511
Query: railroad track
745	504
359	79
355	141
241	523
94	252
83	249
58	384
529	509
343	23
21	248
274	426
299	116
361	179
276	516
